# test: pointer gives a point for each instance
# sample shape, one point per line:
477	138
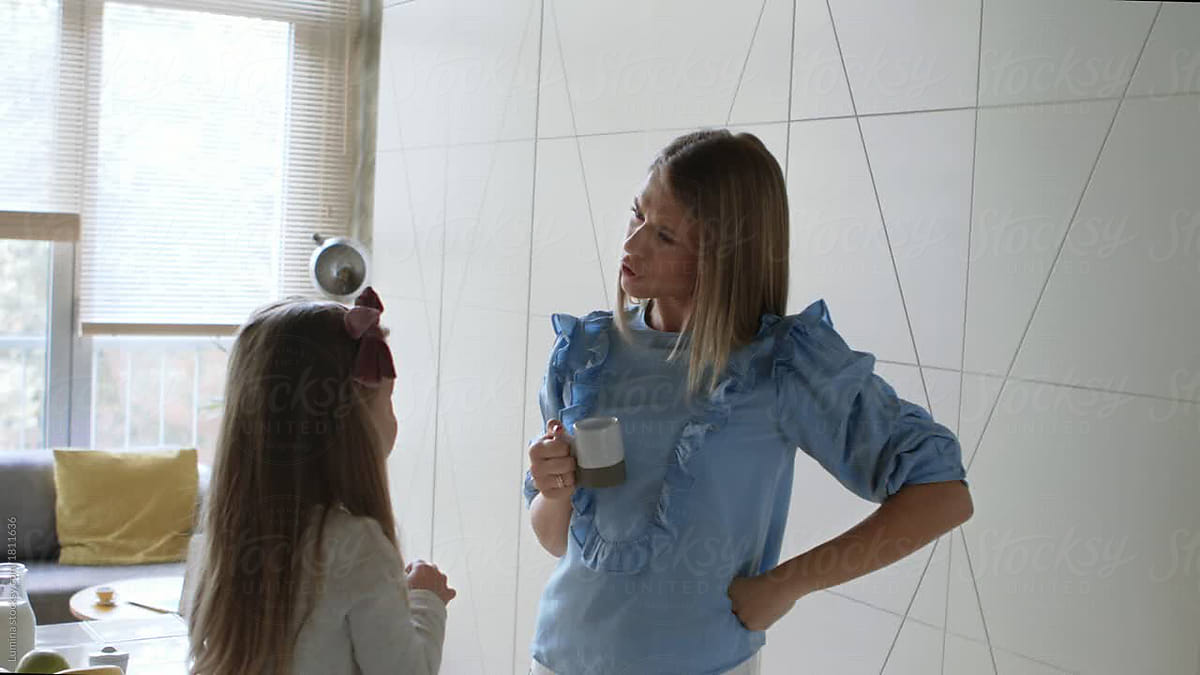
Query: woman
676	569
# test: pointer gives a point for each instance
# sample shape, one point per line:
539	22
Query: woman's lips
628	272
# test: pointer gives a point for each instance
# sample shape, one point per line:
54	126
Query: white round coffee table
160	592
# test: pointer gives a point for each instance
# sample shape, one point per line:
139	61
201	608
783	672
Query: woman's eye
664	238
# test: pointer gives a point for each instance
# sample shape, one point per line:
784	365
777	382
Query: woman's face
660	245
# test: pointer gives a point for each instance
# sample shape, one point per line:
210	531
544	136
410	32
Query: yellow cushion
124	508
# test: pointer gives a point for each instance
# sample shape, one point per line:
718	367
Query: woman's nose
633	242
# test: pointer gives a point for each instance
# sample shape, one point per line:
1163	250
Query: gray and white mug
599	452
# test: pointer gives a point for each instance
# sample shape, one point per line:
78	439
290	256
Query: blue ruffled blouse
643	584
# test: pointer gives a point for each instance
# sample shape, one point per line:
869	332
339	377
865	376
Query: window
24	303
167	164
150	392
186	198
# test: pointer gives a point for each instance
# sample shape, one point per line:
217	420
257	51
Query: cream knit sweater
365	621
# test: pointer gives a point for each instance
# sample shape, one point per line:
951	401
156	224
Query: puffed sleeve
832	405
550	396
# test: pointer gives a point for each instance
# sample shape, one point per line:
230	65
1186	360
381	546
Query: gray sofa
27	494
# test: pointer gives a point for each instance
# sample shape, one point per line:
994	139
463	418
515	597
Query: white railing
132	381
25	347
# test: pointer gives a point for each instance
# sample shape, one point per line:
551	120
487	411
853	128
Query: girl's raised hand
423	575
551	463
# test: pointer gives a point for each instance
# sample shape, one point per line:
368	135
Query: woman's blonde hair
296	439
733	190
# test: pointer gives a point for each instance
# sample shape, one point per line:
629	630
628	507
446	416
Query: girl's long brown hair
733	189
296	439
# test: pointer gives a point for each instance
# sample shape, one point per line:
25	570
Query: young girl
714	388
298	569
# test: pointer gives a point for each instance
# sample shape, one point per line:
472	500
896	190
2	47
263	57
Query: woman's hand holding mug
427	576
551	463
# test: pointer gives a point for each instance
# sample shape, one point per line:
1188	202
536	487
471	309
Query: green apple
42	661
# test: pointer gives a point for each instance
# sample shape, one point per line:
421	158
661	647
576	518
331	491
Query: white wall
1008	218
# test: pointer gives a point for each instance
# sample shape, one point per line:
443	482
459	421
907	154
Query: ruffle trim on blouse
805	348
581	353
629	556
797	327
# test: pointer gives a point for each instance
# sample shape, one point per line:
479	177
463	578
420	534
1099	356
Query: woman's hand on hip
759	601
551	463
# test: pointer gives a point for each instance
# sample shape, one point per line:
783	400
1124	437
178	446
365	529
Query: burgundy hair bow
374	359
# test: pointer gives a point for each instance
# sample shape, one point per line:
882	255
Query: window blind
41	115
202	142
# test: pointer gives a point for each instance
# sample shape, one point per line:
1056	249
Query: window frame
59	397
68	392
